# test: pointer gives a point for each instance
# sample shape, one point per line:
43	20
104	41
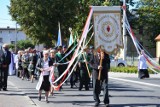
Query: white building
11	35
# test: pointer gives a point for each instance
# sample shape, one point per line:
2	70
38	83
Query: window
12	42
1	40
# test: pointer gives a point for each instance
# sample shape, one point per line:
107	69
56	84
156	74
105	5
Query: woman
18	64
142	66
25	63
20	68
44	65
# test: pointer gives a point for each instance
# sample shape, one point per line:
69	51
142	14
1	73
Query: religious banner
107	28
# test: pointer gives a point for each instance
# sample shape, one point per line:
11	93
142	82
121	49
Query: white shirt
46	68
16	60
142	62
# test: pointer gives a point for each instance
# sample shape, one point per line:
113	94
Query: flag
70	39
73	45
59	42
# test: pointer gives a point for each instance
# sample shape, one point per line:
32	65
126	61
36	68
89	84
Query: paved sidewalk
14	97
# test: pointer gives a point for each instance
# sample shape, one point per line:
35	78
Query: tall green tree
149	19
39	18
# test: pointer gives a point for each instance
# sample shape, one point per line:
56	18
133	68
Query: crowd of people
31	64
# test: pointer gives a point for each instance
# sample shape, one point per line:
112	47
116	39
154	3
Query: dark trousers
60	80
85	83
84	80
97	90
4	78
73	78
25	73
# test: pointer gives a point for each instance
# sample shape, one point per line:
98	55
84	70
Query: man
5	60
90	56
97	83
61	68
64	48
84	76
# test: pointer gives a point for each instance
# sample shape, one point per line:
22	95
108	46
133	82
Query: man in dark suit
61	68
5	60
103	80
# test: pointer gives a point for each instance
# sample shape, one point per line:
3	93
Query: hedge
132	69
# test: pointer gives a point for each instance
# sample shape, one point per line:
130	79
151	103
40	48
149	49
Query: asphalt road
125	90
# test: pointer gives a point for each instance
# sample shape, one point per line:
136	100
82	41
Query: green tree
39	19
149	19
24	44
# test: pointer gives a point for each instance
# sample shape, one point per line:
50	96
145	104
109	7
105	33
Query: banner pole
100	70
86	65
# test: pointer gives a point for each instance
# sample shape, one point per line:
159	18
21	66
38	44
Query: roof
157	38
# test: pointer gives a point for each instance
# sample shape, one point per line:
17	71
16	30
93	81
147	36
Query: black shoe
87	89
96	104
4	89
106	105
47	101
39	98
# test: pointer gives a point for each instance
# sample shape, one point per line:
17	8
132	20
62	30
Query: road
125	90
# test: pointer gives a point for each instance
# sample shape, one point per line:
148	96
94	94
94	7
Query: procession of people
30	65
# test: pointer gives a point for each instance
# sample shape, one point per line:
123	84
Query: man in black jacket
103	80
5	60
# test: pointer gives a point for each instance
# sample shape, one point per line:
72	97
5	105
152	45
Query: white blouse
142	62
46	68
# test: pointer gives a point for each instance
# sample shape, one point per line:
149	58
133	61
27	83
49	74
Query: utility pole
16	39
124	31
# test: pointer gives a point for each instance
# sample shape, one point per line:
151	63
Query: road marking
137	82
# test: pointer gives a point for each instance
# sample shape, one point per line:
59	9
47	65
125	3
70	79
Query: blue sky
5	18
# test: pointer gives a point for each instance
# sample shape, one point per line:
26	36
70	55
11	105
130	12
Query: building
11	35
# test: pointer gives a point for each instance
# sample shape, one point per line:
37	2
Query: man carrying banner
108	38
102	68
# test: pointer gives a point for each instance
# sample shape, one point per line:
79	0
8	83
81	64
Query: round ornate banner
108	31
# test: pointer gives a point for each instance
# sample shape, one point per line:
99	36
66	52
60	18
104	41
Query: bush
131	69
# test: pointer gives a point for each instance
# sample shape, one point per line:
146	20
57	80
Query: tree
39	19
24	44
149	18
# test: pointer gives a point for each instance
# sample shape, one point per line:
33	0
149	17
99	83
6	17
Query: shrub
130	69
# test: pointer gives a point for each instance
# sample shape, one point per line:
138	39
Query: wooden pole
99	75
86	65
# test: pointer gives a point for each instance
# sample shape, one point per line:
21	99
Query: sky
5	18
